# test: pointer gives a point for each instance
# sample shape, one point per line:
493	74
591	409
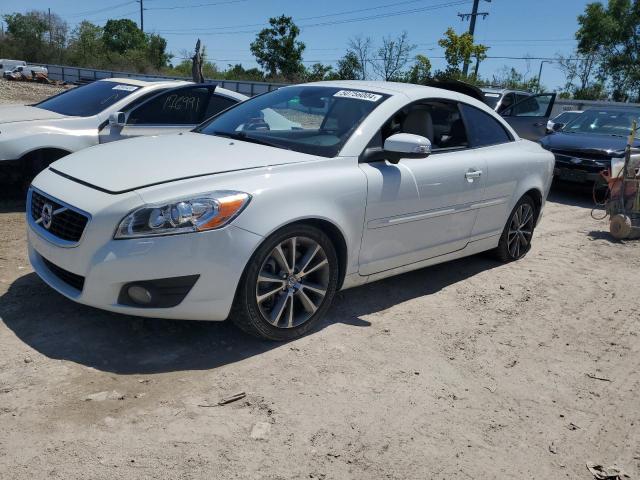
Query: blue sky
514	28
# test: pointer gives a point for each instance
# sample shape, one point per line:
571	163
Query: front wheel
288	284
516	237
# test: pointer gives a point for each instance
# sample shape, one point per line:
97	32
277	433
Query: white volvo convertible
262	221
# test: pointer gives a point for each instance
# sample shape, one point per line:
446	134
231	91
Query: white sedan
263	220
33	136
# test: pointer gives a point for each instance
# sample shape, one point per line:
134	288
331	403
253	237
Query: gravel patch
26	93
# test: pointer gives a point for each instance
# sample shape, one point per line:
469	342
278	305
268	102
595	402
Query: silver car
264	212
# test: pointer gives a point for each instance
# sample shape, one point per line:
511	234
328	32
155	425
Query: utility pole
540	72
141	15
472	27
50	32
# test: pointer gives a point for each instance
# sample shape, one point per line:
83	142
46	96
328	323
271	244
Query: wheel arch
333	231
536	196
44	153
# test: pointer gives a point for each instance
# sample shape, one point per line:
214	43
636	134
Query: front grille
579	154
71	279
67	224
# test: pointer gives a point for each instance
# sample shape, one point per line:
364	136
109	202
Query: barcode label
358	95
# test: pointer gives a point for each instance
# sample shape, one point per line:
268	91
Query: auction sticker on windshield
127	88
358	95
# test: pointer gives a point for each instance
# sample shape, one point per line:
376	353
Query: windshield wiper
242	136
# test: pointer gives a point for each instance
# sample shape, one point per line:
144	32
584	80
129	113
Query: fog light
139	294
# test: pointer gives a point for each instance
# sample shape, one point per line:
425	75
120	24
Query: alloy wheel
292	282
520	231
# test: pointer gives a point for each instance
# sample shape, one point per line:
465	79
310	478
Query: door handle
539	124
471	175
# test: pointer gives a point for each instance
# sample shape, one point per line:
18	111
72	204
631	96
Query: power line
329	23
100	10
315	17
213	4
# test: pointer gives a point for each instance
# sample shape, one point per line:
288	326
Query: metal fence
564	104
85	75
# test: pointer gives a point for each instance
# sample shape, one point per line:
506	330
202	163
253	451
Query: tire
515	241
276	302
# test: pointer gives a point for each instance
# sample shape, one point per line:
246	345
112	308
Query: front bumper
577	175
106	265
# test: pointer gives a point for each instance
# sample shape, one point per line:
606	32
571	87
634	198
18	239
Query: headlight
195	214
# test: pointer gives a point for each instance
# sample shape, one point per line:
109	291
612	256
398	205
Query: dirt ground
12	92
472	369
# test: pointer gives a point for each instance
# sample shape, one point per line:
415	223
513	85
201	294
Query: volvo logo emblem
47	215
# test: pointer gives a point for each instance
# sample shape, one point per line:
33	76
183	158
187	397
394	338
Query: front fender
333	191
17	140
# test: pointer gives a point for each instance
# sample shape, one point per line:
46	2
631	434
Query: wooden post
196	67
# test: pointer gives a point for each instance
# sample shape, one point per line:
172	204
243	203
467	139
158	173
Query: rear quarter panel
513	169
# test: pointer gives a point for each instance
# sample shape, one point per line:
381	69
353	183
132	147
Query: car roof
172	84
503	90
147	83
387	88
613	108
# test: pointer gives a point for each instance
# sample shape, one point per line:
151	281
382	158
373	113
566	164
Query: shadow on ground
574	194
62	329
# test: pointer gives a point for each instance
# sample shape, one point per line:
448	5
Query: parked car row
25	71
264	211
586	144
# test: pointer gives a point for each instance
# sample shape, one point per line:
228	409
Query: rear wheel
288	285
516	237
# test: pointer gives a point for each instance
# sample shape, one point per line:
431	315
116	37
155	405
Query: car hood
586	143
128	165
25	113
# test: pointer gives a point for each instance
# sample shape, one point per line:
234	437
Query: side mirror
558	126
117	119
406	145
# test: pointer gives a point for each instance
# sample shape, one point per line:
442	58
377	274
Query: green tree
123	35
318	72
238	72
457	48
613	33
157	51
349	68
86	46
29	36
420	73
278	50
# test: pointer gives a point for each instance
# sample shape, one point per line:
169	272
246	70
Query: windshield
491	99
604	122
307	119
87	100
566	117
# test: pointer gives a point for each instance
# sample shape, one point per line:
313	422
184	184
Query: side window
175	107
439	121
507	101
218	103
535	106
483	128
140	100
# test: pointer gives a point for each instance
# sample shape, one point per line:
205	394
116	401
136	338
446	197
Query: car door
529	116
176	110
421	208
489	138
